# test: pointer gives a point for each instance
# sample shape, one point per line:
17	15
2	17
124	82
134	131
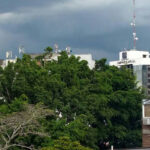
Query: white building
139	62
87	57
6	61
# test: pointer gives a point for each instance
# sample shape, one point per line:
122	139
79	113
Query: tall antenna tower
21	49
56	48
68	49
8	54
133	24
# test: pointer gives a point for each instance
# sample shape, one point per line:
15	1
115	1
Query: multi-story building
139	62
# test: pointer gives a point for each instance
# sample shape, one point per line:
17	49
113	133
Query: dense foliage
92	107
64	143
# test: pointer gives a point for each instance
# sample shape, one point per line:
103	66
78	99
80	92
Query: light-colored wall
133	57
6	61
87	57
145	126
134	54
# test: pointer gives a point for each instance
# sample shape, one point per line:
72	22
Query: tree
100	65
64	143
24	123
48	50
6	80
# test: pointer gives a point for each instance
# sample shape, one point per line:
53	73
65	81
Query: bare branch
22	124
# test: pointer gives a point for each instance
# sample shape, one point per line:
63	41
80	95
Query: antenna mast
133	24
56	48
21	49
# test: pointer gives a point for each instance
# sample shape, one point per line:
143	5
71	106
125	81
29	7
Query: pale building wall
6	61
146	124
134	57
87	57
134	54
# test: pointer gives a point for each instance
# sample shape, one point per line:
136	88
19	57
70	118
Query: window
129	66
148	75
148	86
147	110
148	80
144	56
124	55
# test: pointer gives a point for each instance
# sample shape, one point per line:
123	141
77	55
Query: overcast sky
100	27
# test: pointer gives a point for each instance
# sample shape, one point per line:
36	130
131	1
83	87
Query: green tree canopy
91	106
64	143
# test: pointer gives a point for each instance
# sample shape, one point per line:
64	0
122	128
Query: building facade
139	62
146	124
54	56
4	63
87	57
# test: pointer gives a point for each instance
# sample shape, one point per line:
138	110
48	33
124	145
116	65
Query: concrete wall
146	128
146	136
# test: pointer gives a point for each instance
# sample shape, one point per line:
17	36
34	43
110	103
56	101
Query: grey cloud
100	27
15	5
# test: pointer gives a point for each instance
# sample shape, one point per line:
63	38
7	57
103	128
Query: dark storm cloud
14	5
99	27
